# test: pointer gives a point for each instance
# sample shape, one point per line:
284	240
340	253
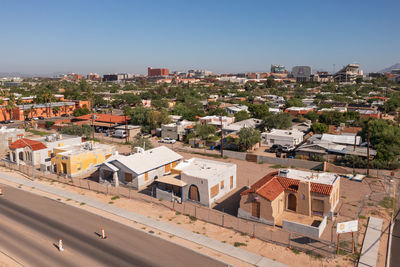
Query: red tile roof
23	142
259	183
271	189
272	185
105	118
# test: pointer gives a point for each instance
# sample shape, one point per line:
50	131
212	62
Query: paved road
30	226
395	249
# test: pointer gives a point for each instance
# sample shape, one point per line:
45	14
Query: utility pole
368	145
126	129
222	137
93	118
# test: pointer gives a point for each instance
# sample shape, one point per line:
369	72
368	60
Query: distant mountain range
395	66
28	75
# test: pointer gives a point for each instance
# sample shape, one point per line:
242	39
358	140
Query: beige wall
269	210
304	198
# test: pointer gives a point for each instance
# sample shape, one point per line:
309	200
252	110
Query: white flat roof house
236	108
283	137
139	169
206	180
217	120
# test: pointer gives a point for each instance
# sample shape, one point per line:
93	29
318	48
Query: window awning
170	179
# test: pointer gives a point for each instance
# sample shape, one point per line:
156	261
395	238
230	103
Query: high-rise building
93	77
157	72
301	73
72	77
117	77
278	69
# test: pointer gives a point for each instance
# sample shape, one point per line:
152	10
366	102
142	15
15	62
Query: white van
120	133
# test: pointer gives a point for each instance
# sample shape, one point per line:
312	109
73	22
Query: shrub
49	124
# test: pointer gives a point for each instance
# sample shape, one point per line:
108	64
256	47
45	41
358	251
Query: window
214	190
222	184
231	182
146	176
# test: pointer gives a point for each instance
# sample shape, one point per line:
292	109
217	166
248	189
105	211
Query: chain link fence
271	234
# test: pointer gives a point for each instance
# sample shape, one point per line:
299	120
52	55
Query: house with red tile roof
105	118
290	190
25	151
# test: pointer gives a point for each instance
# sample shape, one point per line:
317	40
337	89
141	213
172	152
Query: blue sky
221	35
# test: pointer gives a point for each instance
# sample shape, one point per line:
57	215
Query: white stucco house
283	137
205	181
140	169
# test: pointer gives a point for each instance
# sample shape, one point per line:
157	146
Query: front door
255	211
292	202
194	193
128	177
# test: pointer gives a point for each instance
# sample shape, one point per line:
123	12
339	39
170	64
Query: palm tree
56	110
10	105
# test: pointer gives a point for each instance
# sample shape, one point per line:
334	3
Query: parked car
64	115
35	118
167	140
119	134
287	148
11	121
275	148
28	119
5	122
41	118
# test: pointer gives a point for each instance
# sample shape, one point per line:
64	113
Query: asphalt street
31	225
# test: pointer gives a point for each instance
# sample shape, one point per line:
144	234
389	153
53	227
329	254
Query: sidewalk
369	252
213	244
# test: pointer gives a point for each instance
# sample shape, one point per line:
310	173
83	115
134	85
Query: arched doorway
292	202
21	155
194	193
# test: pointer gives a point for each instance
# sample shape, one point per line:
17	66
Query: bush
49	124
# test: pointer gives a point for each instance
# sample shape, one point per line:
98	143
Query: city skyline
224	37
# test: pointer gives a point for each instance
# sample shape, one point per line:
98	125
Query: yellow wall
81	161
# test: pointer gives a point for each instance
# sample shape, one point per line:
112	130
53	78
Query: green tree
10	105
278	121
49	124
56	110
319	128
385	138
312	116
140	141
248	137
217	112
332	118
81	111
294	102
259	111
84	130
205	132
270	82
241	116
